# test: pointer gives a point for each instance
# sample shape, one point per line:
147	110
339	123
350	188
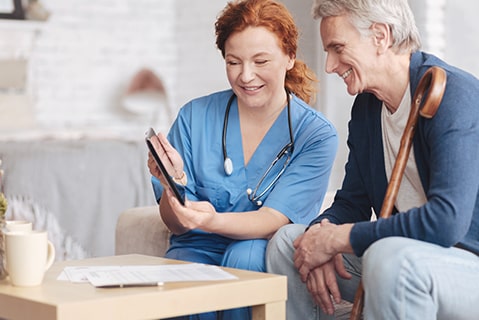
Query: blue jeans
402	279
279	260
410	279
240	254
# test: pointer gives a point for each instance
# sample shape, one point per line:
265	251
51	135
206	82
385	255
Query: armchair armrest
141	230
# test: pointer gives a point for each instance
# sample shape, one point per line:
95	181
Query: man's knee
280	248
384	259
286	235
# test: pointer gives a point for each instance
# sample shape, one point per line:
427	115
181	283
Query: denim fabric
410	279
279	260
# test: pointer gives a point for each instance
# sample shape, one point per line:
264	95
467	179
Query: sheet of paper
106	276
80	274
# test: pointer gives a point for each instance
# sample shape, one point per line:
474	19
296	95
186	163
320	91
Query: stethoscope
287	150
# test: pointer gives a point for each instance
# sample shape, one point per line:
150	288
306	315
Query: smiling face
349	54
256	67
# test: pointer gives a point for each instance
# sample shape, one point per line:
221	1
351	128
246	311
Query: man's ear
382	36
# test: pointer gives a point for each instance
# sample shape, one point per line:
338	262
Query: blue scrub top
197	135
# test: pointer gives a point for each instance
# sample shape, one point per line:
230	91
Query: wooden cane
434	83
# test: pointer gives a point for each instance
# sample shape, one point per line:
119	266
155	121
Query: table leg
270	311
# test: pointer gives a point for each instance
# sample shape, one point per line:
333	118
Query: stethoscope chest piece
228	164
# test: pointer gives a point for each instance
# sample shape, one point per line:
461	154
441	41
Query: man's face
348	53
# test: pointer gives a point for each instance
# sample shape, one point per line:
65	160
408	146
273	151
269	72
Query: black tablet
178	189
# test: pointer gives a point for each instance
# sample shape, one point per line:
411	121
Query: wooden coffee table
56	299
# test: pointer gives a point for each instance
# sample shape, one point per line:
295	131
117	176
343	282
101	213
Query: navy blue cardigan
446	150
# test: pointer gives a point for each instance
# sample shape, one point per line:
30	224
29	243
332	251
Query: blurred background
73	110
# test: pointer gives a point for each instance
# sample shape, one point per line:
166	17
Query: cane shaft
433	81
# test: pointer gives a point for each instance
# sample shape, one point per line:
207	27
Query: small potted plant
3	210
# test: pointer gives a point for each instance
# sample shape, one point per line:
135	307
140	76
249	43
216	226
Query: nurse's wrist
182	180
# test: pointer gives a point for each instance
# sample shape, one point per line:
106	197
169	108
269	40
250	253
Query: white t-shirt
411	193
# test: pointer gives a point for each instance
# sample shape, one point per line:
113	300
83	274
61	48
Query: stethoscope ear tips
228	165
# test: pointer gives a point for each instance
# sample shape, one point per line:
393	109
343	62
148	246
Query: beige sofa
141	230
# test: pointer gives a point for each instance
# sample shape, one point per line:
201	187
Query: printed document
144	275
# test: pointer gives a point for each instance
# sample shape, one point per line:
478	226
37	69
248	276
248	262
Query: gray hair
363	13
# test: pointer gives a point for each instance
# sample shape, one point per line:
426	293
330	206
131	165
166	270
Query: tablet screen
178	189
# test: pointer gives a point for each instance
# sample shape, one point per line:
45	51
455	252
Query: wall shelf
21	25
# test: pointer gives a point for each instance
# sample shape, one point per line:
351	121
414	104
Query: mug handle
50	255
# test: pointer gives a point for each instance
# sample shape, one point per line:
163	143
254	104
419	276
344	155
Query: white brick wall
87	52
201	68
83	58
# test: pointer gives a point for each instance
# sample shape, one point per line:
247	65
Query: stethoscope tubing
287	149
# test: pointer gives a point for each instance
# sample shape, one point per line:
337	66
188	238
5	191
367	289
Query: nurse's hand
194	214
170	158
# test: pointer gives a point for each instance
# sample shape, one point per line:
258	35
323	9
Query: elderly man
421	263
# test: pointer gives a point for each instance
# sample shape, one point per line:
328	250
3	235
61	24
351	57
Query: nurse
253	157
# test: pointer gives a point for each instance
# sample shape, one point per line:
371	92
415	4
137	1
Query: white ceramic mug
18	225
28	256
